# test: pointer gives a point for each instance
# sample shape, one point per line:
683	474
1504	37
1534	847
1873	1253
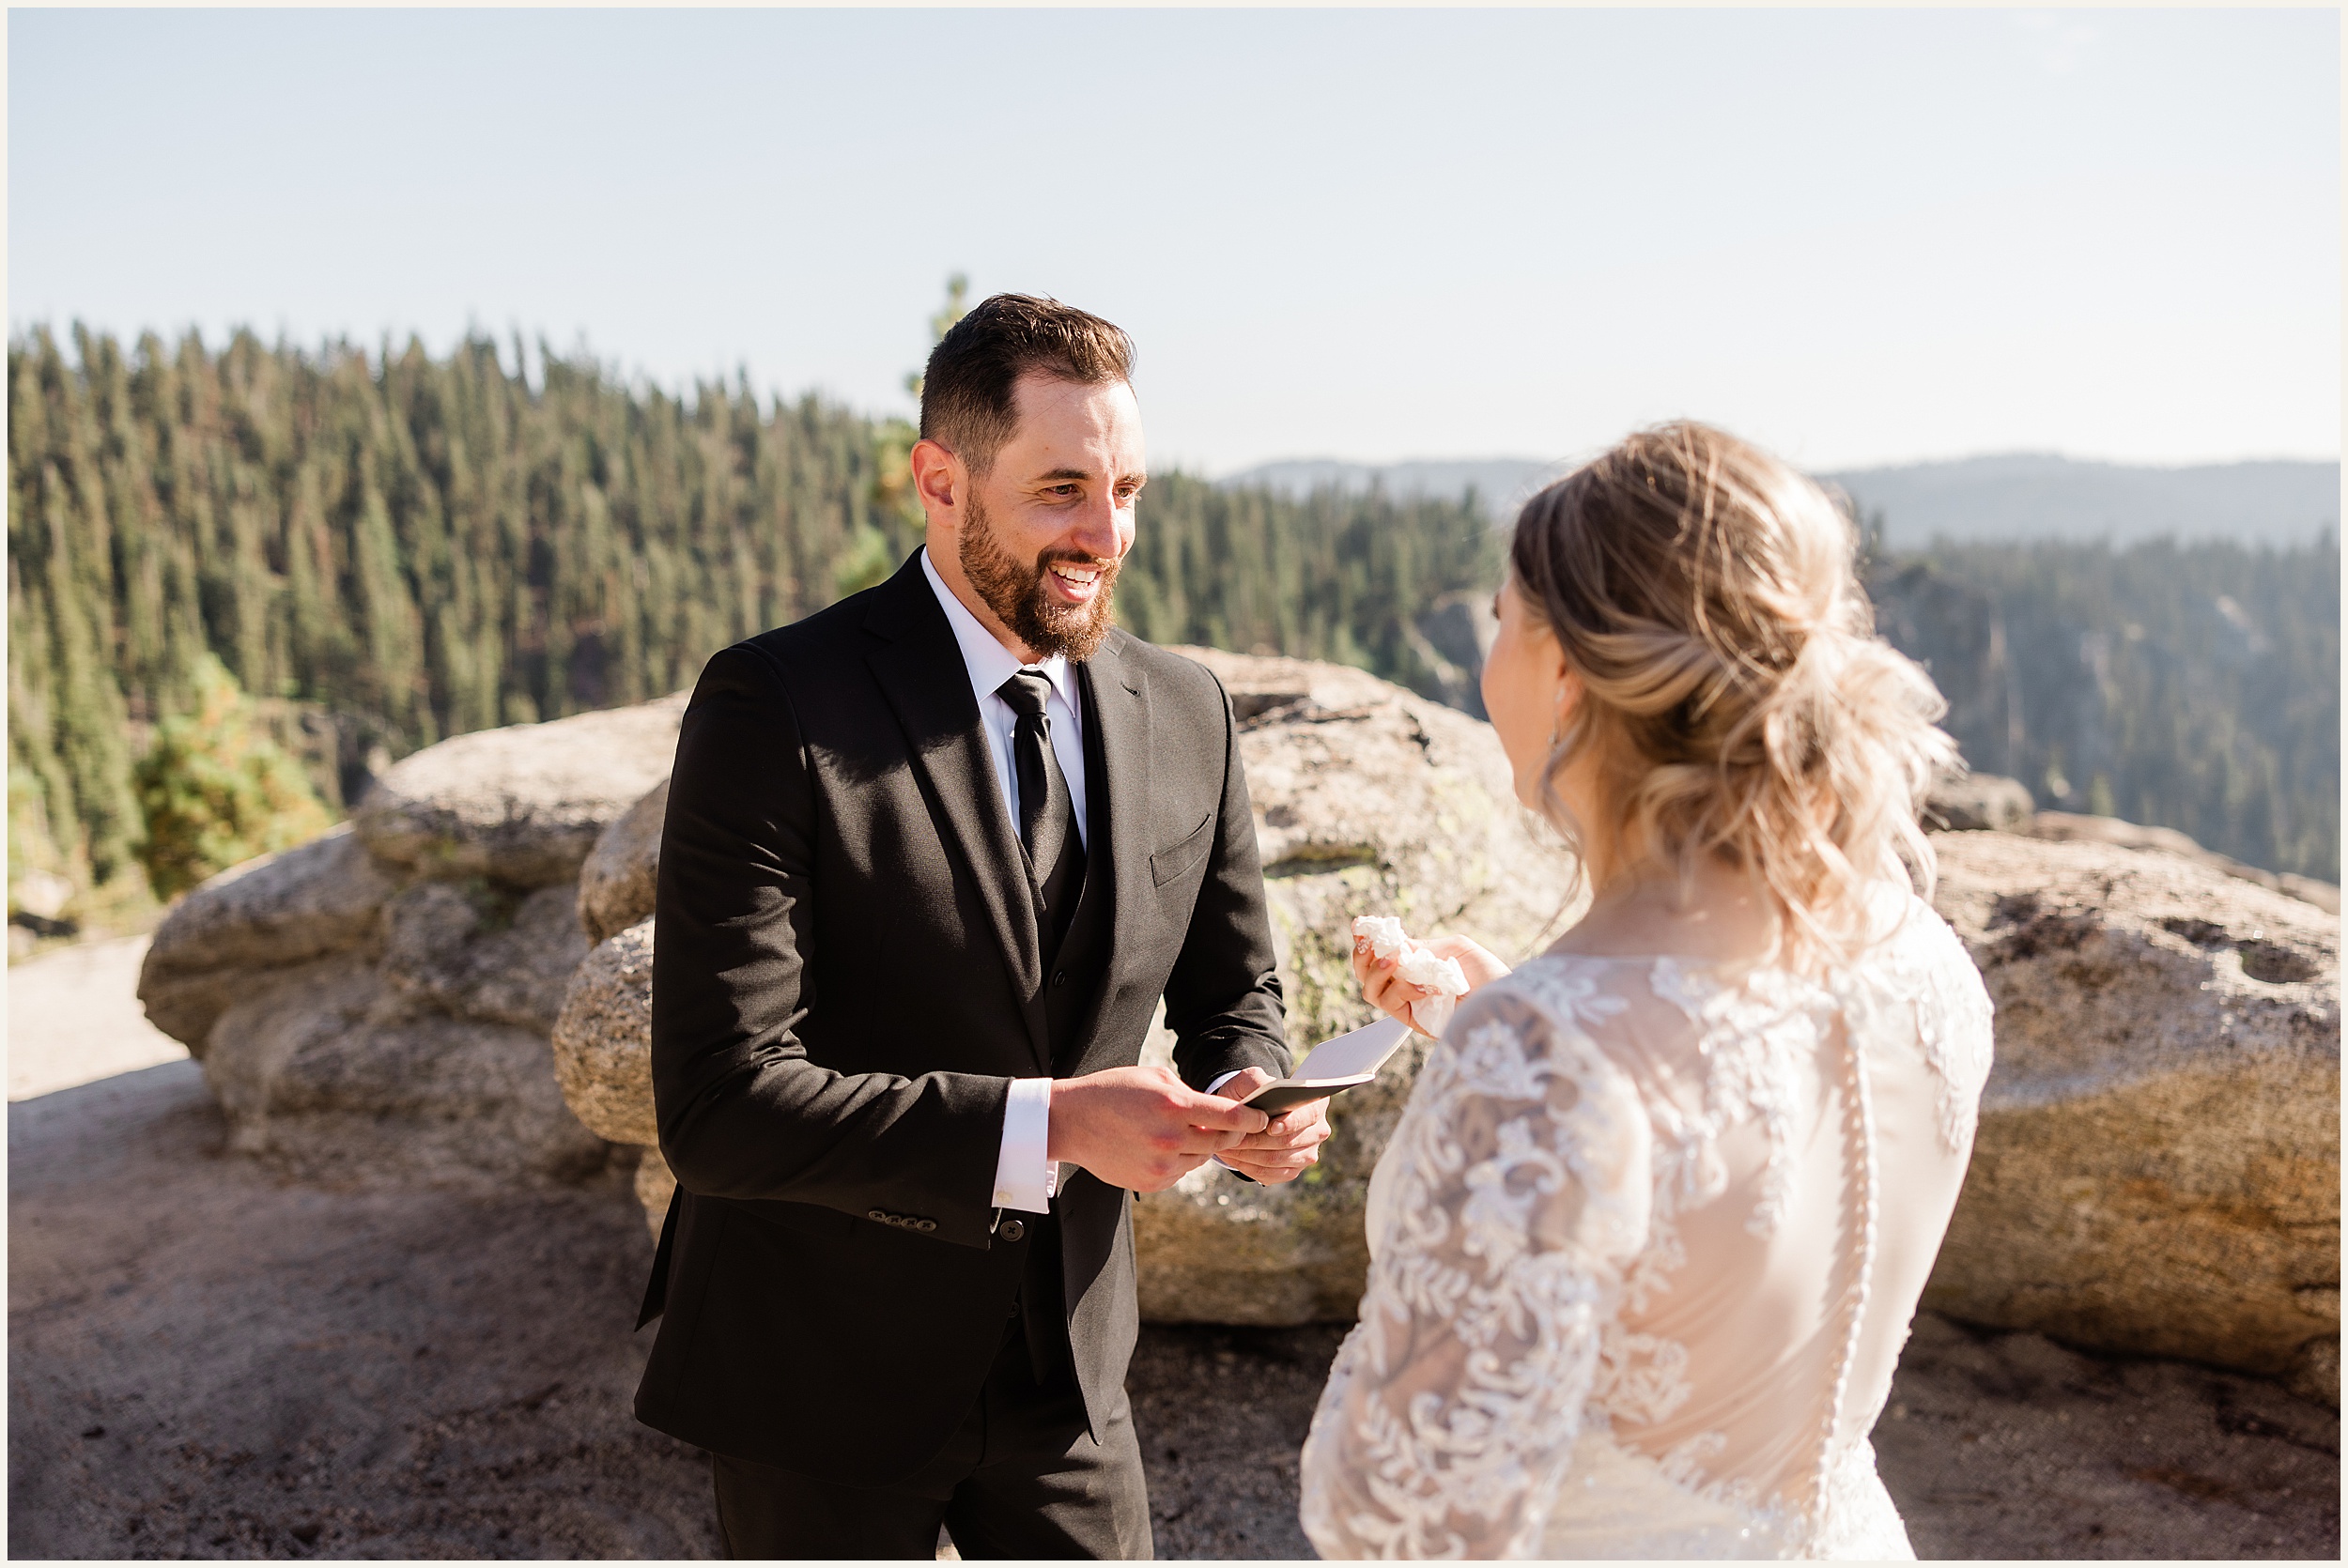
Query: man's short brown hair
968	390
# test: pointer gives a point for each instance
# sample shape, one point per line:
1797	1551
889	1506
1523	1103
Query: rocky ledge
2159	1162
1367	800
2157	1168
380	999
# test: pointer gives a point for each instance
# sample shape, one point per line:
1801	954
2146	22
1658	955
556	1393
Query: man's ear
939	481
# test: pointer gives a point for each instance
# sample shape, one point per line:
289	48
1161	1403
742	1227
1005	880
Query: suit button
1011	1230
876	1214
925	1225
1060	978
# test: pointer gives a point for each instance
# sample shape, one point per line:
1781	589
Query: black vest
1072	977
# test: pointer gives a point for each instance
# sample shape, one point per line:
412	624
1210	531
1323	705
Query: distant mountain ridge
2002	498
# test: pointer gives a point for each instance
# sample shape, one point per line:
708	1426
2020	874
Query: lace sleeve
1521	1191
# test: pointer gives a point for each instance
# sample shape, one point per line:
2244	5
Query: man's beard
1017	595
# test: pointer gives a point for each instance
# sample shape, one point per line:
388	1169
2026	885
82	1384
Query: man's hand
1281	1151
1142	1127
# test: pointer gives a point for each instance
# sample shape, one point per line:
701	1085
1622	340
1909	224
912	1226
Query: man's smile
1076	583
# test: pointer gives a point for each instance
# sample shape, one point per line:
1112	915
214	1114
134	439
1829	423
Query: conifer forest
344	555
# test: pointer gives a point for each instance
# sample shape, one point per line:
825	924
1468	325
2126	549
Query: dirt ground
205	1361
74	1017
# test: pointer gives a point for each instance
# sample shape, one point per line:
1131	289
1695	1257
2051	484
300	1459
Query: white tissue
1429	1015
1384	934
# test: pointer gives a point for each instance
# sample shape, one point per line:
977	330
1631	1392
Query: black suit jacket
847	976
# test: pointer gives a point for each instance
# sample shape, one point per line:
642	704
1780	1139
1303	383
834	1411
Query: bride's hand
1388	992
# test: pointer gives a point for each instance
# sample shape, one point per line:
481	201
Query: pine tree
424	546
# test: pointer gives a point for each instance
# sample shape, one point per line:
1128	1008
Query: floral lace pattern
1925	981
1532	1200
1524	1166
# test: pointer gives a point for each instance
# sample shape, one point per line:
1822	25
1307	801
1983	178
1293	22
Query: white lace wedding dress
1646	1246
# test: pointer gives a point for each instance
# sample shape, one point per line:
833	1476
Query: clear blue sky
1860	236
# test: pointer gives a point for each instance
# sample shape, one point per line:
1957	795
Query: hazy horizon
1463	458
533	367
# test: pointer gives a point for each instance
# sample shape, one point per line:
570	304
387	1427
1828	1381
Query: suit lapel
1118	803
920	669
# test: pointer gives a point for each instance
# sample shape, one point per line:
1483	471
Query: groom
931	856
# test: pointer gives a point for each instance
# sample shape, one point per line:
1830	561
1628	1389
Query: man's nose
1094	529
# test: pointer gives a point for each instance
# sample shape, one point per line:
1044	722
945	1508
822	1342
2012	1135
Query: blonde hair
1741	705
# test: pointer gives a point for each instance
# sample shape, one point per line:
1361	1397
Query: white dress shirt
1025	1175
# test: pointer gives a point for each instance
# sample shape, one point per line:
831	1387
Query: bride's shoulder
1567	1003
1574	988
1918	946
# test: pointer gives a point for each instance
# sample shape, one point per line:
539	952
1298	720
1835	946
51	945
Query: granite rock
523	804
473	952
331	1070
1980	802
379	1000
1368	800
2071	828
603	1040
2158	1167
268	913
617	883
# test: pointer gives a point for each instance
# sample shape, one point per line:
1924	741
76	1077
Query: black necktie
1047	813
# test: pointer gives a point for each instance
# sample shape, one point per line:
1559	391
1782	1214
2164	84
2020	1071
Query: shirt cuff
1025	1175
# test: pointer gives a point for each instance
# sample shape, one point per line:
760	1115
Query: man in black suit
932	857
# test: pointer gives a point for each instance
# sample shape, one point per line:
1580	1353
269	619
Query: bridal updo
1739	701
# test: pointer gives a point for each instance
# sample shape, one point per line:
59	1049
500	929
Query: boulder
656	1184
269	913
481	953
2157	1166
334	1071
623	872
603	1040
1367	800
523	804
1979	801
380	998
2071	828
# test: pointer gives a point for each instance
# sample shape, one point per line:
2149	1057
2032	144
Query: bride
1649	1234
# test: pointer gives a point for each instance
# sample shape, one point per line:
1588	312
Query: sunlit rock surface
2157	1168
523	804
1368	800
380	999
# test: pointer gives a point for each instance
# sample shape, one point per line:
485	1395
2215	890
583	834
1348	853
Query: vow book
1334	1066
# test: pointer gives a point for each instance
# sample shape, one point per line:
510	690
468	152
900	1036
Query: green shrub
214	791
